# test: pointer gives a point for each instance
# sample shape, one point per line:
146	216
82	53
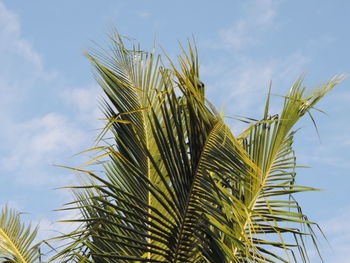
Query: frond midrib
190	195
13	245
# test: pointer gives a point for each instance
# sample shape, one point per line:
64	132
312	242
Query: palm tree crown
177	185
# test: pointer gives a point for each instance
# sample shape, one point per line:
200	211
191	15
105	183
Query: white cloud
22	68
243	81
11	40
32	140
264	11
246	31
38	143
244	85
144	14
237	35
50	229
85	101
337	231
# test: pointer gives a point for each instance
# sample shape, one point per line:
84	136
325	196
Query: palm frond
272	208
16	239
178	186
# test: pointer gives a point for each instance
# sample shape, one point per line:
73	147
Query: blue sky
49	110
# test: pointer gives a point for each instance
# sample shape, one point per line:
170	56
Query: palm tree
176	184
16	239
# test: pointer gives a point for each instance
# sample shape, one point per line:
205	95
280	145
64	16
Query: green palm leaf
271	211
16	240
177	185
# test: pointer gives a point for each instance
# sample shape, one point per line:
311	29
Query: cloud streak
38	143
338	233
245	32
11	41
31	139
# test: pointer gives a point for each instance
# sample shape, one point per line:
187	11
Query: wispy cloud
11	41
243	80
31	138
337	231
49	228
143	14
22	67
246	31
38	143
244	83
84	101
